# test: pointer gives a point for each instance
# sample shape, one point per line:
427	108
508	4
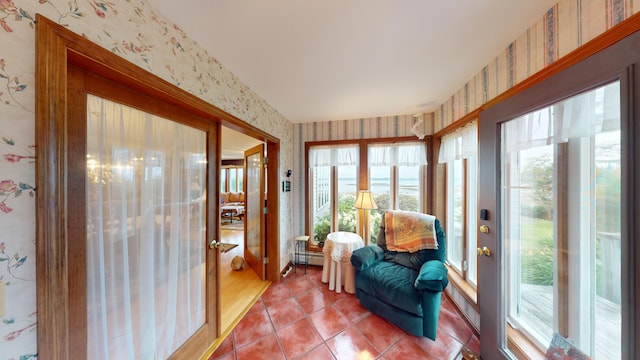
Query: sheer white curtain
584	115
145	238
460	144
339	155
462	195
404	154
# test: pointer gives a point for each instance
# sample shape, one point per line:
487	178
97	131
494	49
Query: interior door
254	228
147	284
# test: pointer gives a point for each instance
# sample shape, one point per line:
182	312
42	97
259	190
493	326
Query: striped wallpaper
562	29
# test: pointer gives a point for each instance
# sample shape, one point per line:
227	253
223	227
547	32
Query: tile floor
299	318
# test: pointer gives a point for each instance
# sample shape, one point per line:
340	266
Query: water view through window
394	179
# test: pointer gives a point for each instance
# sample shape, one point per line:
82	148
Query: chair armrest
366	256
432	276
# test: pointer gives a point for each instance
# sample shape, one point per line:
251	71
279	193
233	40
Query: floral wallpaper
132	30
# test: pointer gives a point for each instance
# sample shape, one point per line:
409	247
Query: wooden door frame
57	48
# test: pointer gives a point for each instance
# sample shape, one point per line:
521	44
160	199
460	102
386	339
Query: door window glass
145	245
561	183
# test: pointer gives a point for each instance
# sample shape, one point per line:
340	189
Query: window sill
314	248
521	346
468	292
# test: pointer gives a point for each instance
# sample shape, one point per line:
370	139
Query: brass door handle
484	229
484	251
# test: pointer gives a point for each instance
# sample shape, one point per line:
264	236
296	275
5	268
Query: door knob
484	251
224	247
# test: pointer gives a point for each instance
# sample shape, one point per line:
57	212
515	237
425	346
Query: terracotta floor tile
252	327
350	307
266	348
445	347
276	293
334	322
229	356
315	275
407	349
380	333
321	352
284	313
312	300
300	285
295	274
351	344
329	321
474	344
259	305
451	322
298	338
224	348
331	295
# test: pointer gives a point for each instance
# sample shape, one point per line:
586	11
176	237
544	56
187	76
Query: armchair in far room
402	277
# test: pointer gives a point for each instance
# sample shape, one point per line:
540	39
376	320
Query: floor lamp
365	202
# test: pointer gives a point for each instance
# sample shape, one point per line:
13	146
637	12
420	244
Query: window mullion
394	187
334	198
465	192
562	238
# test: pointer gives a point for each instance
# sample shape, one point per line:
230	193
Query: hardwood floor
239	289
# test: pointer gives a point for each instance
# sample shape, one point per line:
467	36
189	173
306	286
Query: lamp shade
365	200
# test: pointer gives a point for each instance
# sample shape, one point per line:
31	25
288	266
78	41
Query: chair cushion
410	260
236	197
366	256
392	284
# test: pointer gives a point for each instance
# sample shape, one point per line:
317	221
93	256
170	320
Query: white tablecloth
337	269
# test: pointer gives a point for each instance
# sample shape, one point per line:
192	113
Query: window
561	175
223	180
396	176
231	179
396	179
459	152
334	184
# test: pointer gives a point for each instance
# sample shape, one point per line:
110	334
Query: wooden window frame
363	175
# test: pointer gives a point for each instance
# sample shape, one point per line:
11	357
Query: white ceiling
345	59
234	144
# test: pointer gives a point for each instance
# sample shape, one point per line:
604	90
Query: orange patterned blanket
409	231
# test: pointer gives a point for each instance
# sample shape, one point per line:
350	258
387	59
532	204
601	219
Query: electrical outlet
2	299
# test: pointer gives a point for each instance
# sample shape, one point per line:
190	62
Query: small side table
302	247
337	269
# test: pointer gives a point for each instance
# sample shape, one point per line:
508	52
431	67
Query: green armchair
403	287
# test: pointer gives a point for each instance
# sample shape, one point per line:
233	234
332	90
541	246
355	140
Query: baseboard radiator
315	258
